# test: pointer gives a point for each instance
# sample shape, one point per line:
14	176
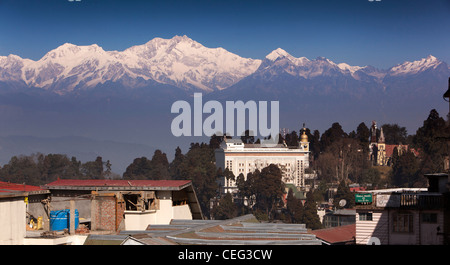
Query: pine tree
175	165
159	166
310	217
198	166
269	189
430	140
405	170
294	208
225	209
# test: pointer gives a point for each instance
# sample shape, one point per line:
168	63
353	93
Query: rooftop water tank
60	220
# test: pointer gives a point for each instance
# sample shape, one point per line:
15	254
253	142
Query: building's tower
373	130
304	142
373	143
381	154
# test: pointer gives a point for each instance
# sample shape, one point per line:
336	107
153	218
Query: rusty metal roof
335	235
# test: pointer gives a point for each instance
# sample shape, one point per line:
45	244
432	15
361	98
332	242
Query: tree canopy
39	169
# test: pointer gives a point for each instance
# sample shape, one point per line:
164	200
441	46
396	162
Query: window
230	165
365	217
402	223
429	218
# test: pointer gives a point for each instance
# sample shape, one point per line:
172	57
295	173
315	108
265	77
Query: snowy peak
70	50
408	68
279	61
351	69
278	53
185	63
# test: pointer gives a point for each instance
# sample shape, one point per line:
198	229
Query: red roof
11	187
354	189
117	183
338	234
389	148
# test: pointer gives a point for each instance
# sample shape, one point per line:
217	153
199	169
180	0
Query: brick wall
108	214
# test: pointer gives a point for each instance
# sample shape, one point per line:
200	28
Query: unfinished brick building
113	205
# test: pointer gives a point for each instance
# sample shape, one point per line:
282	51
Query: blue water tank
60	220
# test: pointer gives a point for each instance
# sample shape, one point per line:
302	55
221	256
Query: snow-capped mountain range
126	96
180	62
308	69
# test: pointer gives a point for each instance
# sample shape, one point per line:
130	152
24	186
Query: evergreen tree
294	208
22	169
405	170
269	190
108	172
314	144
155	169
363	135
394	134
225	209
430	140
139	169
199	167
321	192
333	134
370	176
38	169
93	169
159	166
215	141
292	139
310	217
175	165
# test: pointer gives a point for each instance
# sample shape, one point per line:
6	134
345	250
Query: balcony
421	201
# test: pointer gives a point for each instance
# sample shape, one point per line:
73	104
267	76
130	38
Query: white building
245	158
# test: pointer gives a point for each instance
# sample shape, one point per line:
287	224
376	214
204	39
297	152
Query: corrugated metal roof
339	234
237	231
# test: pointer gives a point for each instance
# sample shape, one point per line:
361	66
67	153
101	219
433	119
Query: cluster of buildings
388	216
127	212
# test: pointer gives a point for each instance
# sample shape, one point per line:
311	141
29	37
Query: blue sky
358	32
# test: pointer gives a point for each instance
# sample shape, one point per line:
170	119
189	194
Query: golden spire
304	137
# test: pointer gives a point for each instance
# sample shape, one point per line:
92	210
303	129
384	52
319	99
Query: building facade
14	207
243	158
404	216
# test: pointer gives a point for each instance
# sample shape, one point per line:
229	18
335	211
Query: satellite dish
342	202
